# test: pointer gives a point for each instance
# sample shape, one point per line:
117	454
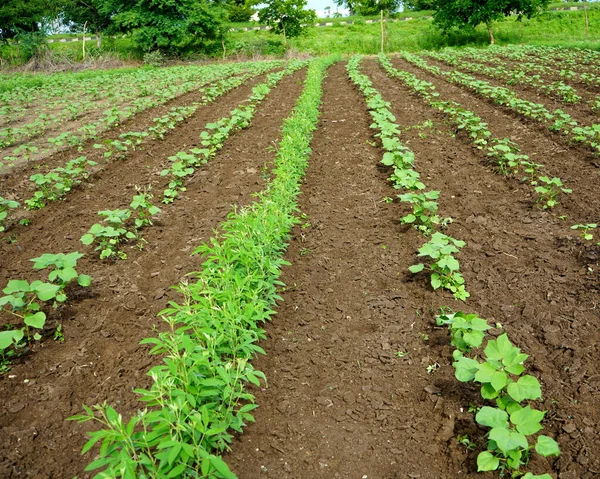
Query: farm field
306	189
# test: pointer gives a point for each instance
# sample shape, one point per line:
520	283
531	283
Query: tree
94	15
458	13
240	10
21	16
167	25
417	5
287	17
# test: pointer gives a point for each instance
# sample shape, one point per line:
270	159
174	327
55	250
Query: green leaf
87	239
36	320
16	286
417	268
527	420
508	440
46	291
84	280
221	467
465	369
529	475
486	461
546	446
177	471
527	387
8	337
492	417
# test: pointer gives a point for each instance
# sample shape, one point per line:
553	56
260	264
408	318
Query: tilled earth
349	393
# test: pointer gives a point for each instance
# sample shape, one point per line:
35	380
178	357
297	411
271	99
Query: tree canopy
369	7
459	13
21	15
286	17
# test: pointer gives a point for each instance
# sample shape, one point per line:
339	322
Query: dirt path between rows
340	402
101	358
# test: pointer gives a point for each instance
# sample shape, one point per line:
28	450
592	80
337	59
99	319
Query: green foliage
62	269
444	267
5	206
548	190
460	13
500	374
423	217
169	25
286	17
198	397
110	236
585	230
20	16
25	300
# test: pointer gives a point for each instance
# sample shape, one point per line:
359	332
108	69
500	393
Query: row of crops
67	134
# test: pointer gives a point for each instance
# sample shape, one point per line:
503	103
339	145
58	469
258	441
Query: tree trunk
223	45
381	23
98	39
587	32
387	29
489	27
284	39
83	43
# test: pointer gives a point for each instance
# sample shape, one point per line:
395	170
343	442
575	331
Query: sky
320	5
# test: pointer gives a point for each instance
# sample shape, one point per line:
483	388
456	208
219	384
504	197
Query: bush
154	59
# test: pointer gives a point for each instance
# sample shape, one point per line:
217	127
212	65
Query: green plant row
118	149
500	373
443	267
503	154
557	121
124	108
199	397
56	184
212	138
570	62
71	108
512	76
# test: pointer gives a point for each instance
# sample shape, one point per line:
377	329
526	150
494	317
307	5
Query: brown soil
340	403
101	359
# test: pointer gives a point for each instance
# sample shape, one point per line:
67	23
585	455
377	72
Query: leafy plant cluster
58	182
121	226
198	398
502	152
557	121
500	371
443	267
25	300
183	164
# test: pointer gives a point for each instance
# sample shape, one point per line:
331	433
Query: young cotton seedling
444	267
108	238
549	191
62	270
501	377
585	230
143	209
5	205
423	217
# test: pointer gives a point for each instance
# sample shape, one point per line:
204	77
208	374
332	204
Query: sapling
108	238
143	209
423	217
